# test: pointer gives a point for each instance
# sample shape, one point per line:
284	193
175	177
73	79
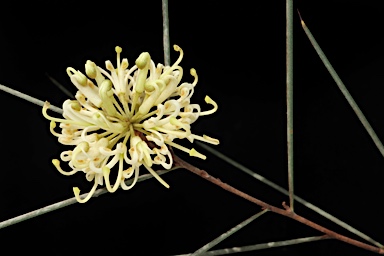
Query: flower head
124	118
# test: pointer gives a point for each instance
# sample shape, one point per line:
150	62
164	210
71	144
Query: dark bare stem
289	80
285	192
285	212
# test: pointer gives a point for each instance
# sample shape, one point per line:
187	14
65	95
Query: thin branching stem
262	246
285	212
289	78
285	192
225	235
29	98
343	89
230	161
166	41
60	86
68	202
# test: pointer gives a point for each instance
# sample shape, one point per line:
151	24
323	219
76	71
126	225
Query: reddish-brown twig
285	212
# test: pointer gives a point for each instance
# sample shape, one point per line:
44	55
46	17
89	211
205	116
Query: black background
238	50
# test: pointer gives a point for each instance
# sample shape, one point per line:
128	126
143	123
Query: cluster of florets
126	118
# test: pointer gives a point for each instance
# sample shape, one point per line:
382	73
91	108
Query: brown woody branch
285	212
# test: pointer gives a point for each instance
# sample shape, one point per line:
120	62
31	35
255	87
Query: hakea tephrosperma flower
124	118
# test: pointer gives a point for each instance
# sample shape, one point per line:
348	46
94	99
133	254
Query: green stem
343	89
262	246
29	98
68	202
166	43
289	77
214	242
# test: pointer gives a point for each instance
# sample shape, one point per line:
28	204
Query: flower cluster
124	118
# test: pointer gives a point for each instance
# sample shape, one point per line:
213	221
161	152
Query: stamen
124	186
76	191
138	119
65	121
80	77
120	112
168	89
176	123
194	74
148	102
178	134
106	95
84	85
56	163
124	64
142	63
171	108
118	50
206	138
209	101
52	126
146	151
192	152
178	49
128	173
106	172
109	66
173	67
159	141
66	155
162	159
105	124
81	147
90	69
154	174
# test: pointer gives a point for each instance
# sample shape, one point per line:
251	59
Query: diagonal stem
343	89
68	202
29	98
60	86
262	246
285	212
230	161
285	192
230	232
267	245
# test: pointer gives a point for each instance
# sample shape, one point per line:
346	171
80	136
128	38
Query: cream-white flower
124	118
